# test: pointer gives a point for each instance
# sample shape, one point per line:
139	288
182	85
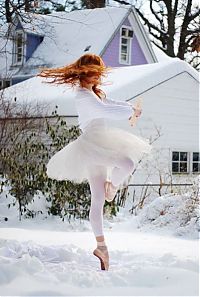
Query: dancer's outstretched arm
92	107
111	101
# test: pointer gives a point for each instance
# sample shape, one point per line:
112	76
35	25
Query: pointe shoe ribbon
110	191
103	256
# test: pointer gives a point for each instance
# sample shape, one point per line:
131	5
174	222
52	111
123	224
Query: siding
32	43
16	80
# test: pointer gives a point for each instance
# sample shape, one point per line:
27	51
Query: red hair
73	74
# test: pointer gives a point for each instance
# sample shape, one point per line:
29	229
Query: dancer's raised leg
123	168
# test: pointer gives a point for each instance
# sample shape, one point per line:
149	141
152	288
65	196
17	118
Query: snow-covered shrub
173	210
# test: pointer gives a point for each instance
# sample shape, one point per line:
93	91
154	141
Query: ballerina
100	146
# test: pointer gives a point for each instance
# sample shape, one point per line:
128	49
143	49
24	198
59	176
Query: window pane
183	156
124	49
124	41
130	33
19	44
183	167
175	156
175	167
196	167
124	57
7	83
124	32
19	40
196	157
19	58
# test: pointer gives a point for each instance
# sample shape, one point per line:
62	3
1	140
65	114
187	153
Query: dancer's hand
135	116
137	112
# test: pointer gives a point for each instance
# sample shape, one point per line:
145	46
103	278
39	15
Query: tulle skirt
97	145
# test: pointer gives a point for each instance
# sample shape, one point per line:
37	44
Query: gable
111	55
140	49
19	26
142	37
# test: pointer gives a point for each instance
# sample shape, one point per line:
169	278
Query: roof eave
144	34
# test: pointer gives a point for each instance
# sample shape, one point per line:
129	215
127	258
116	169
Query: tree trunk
27	5
8	12
182	49
90	4
171	11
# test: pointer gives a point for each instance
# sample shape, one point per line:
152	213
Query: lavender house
115	34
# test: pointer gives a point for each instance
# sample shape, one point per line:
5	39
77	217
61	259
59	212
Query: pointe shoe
110	191
102	254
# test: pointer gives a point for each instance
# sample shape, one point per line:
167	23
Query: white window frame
15	49
189	162
179	161
197	172
129	39
2	83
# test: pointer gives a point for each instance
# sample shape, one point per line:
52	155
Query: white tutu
97	145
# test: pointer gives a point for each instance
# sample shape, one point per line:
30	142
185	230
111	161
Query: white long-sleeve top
89	107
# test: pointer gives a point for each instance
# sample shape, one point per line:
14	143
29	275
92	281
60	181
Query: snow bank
44	256
62	264
176	212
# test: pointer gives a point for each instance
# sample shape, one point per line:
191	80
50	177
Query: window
180	162
5	83
127	32
125	45
195	162
19	47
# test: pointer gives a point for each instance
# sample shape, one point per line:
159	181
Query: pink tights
98	176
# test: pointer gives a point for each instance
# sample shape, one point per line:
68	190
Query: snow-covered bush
173	210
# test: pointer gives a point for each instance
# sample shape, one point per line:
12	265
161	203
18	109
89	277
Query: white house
169	87
170	118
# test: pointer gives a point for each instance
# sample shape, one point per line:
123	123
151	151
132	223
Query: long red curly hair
77	72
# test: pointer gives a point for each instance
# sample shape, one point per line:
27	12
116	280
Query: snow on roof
71	33
33	23
123	83
66	37
68	34
160	55
130	82
5	53
6	59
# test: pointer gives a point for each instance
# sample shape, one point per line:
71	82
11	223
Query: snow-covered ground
48	257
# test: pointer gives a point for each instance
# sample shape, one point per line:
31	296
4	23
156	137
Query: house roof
123	83
67	35
130	82
72	32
